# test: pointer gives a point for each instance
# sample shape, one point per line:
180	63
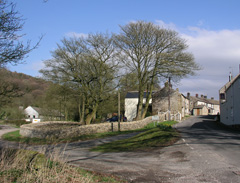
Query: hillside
31	88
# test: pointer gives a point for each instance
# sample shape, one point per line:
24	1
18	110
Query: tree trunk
149	96
140	103
91	115
83	110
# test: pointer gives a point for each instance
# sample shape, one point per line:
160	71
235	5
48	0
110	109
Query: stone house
229	96
179	104
200	110
212	105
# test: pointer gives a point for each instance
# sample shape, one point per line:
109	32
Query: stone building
197	102
179	104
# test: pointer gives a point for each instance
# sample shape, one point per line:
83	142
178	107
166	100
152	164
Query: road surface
206	153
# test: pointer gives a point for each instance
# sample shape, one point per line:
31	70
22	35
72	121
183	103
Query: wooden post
119	115
169	102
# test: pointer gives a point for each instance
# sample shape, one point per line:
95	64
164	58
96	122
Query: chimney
230	76
188	95
197	95
201	96
205	96
212	98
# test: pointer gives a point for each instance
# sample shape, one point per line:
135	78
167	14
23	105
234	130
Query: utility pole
169	103
119	115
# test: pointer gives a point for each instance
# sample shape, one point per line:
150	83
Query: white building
229	96
33	113
131	102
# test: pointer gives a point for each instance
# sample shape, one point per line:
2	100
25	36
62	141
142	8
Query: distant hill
33	88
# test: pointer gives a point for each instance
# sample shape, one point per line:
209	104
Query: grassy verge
16	137
30	166
160	136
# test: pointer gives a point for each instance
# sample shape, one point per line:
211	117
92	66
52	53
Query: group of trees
88	71
94	65
12	50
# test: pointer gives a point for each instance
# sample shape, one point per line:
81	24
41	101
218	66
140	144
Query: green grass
31	166
160	136
16	137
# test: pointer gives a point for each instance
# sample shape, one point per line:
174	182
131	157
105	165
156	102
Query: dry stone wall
74	129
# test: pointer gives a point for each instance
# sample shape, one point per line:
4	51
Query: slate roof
134	94
206	100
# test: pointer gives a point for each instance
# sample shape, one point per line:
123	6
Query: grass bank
16	137
155	135
31	166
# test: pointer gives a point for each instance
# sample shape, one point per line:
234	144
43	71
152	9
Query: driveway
205	153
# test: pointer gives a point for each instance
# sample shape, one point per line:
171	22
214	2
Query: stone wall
74	129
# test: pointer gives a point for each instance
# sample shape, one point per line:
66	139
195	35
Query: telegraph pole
169	103
119	115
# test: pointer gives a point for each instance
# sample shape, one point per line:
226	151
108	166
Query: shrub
17	123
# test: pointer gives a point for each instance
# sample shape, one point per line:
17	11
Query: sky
211	28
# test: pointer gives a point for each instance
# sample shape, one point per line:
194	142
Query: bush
17	123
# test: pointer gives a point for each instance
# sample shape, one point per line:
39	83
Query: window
222	96
33	116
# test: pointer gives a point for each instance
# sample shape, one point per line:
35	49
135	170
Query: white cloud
166	25
218	52
75	34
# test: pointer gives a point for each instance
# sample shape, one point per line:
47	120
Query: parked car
115	119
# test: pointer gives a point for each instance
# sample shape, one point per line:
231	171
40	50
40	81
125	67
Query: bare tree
87	64
12	50
152	51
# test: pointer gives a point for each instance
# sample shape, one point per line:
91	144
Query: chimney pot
197	95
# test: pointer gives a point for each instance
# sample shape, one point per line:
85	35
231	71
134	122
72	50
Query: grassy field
156	135
30	166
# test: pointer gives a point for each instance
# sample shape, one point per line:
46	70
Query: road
206	153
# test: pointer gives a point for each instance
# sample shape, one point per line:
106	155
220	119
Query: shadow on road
204	130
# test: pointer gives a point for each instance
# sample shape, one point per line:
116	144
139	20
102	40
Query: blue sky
210	27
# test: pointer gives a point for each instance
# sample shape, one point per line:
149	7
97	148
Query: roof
134	94
228	84
205	100
199	107
37	109
41	111
164	92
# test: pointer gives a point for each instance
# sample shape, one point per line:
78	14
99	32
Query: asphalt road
206	153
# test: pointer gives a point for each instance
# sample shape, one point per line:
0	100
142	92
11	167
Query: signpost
155	118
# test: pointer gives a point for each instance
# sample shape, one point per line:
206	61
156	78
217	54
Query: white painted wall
131	107
31	113
230	109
